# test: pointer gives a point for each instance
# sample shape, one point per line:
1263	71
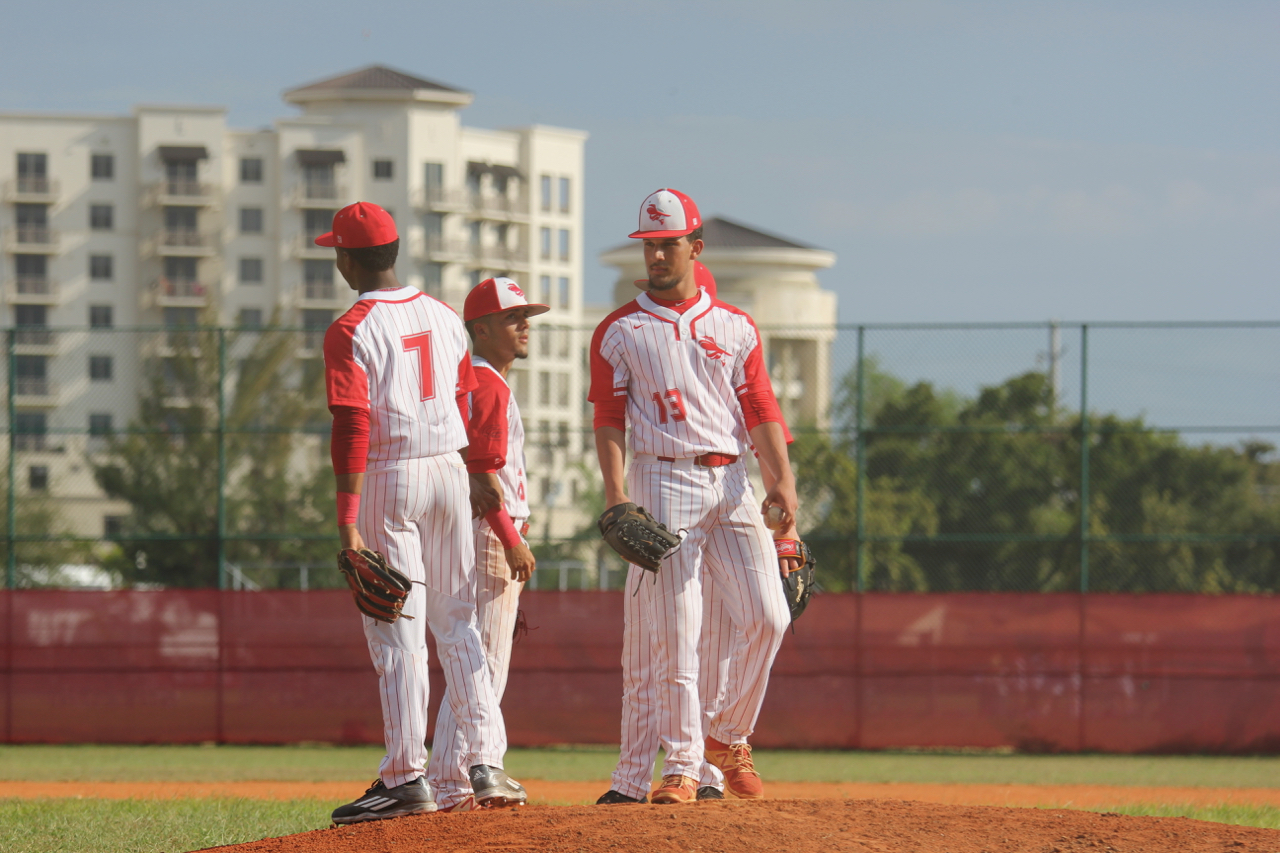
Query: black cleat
494	789
706	792
382	802
614	798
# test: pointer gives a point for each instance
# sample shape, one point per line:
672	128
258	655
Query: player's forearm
771	446
350	483
611	451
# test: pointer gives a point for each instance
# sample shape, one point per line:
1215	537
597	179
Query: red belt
707	460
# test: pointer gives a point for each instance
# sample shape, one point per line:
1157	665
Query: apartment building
168	218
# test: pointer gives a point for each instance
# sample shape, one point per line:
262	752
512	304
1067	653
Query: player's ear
695	249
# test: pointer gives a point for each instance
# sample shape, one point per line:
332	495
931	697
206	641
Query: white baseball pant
724	536
639	745
497	602
416	513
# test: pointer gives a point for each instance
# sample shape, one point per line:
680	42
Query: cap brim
641	235
536	308
326	240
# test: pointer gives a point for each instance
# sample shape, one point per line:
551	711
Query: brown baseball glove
798	586
378	588
640	538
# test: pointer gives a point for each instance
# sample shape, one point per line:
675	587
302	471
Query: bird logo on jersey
657	215
515	288
715	352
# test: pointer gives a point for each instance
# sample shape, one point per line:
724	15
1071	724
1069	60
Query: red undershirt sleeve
610	400
349	448
759	405
488	429
466	384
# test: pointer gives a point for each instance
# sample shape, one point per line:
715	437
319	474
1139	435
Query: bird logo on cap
657	215
515	288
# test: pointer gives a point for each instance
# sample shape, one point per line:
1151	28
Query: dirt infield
542	792
779	826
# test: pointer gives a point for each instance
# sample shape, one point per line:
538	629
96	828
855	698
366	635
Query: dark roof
721	233
376	77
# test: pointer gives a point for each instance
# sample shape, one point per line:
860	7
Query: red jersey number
672	400
422	343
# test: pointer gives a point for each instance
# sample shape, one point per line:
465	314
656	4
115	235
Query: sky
966	161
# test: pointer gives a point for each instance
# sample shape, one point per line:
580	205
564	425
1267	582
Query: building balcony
500	257
183	194
502	207
37	190
179	293
443	250
29	392
323	294
32	290
188	242
319	195
443	199
34	340
32	239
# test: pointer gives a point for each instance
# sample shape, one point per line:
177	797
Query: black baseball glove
379	589
798	585
640	538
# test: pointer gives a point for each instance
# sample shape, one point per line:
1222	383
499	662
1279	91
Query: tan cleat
675	789
734	761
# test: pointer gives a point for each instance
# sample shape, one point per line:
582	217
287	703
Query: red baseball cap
359	226
667	213
497	294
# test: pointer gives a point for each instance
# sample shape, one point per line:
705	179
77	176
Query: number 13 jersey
402	356
683	375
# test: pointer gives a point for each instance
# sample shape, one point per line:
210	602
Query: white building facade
168	218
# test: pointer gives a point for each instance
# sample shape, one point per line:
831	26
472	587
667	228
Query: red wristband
348	508
503	527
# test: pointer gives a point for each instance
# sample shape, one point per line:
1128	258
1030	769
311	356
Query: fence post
1084	458
861	449
222	459
11	511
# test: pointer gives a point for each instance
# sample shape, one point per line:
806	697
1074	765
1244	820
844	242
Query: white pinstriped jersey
403	356
497	436
681	374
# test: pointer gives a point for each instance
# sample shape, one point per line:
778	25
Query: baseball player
397	375
687	371
497	318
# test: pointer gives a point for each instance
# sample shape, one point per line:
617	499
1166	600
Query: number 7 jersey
683	374
402	356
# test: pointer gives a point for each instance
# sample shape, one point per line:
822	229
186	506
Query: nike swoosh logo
641	326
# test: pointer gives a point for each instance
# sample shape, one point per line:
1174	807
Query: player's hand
521	562
783	496
484	496
350	537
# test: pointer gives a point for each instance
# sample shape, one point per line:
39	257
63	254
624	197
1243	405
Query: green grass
116	826
359	764
148	826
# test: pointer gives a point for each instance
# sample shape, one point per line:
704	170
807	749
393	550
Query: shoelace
741	753
674	781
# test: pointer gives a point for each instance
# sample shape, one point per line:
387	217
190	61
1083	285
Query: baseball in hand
773	517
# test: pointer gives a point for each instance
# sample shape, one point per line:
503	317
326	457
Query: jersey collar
481	361
681	321
400	294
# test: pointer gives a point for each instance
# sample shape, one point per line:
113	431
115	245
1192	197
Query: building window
433	180
251	270
564	292
250	318
38	478
544	388
100	424
564	195
250	170
433	278
102	167
562	393
101	268
382	170
564	244
101	217
544	290
112	525
29	430
544	239
100	368
100	317
546	193
316	222
250	220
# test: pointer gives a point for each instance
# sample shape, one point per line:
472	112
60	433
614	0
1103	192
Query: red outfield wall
1111	673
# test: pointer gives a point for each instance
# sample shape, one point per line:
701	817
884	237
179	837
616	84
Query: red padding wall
1112	673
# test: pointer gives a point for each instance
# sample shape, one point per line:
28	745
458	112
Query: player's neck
385	280
686	289
501	363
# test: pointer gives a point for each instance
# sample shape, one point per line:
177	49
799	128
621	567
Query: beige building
773	279
159	217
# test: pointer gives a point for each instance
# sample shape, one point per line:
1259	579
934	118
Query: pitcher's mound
778	826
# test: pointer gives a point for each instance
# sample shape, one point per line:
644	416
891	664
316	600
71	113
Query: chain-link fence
1030	457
